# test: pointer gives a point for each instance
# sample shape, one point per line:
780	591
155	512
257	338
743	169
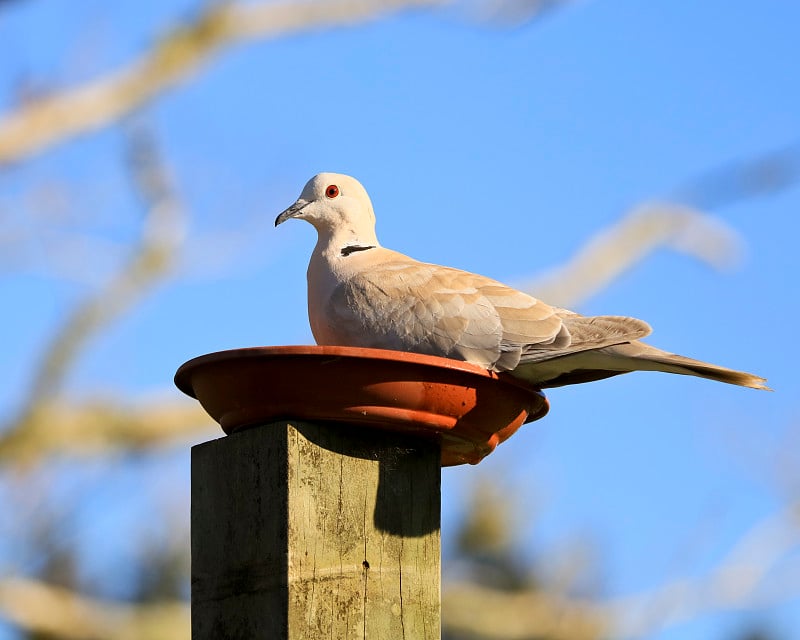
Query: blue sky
500	151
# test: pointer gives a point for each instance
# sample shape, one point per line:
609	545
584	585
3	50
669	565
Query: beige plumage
362	295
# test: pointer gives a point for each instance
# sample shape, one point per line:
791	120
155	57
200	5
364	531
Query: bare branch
151	260
511	13
37	607
680	227
492	614
50	119
760	175
629	241
101	427
738	582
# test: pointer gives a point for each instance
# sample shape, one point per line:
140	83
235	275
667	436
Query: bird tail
596	364
650	358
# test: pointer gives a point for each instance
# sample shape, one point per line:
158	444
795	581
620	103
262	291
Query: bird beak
292	212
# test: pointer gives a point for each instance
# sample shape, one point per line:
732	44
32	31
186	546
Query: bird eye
332	191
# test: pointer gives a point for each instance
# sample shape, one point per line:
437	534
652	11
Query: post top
471	409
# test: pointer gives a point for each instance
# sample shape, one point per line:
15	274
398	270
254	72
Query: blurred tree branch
509	13
737	582
61	613
473	611
504	614
51	119
151	259
101	427
733	182
638	234
678	226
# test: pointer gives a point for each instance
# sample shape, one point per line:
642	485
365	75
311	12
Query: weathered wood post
318	515
301	530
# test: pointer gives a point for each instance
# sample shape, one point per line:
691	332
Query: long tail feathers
596	364
673	363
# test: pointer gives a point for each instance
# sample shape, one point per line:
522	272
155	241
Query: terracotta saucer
470	409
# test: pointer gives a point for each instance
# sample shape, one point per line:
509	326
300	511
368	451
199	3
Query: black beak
291	212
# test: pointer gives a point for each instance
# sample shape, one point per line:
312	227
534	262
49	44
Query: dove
361	294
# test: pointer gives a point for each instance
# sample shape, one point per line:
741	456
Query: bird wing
399	303
588	333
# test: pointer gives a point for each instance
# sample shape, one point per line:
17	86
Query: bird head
333	202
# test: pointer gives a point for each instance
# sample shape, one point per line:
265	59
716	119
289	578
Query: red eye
332	191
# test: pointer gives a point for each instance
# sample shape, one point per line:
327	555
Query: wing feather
412	306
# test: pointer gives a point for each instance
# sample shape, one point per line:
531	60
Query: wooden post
306	530
302	530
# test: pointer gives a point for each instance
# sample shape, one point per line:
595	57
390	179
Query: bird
361	294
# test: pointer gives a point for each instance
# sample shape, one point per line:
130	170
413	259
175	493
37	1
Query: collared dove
363	295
